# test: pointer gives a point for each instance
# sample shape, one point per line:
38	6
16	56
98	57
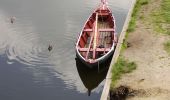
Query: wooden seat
107	30
100	30
103	14
87	30
97	49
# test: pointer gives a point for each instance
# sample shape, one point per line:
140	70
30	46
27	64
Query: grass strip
122	66
167	46
132	23
161	18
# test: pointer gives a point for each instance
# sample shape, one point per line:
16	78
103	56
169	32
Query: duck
12	19
50	47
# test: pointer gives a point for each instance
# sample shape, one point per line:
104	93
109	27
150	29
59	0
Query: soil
119	93
151	79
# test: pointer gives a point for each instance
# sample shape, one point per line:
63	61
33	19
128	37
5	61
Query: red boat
97	39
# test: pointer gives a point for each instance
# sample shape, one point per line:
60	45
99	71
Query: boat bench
97	49
100	30
103	14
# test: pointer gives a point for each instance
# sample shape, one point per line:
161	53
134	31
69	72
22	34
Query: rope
98	67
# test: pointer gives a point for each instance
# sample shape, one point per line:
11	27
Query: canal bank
106	89
148	48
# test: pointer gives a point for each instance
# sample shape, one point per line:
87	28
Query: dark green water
28	71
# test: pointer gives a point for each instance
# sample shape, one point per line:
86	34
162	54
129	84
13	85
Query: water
28	71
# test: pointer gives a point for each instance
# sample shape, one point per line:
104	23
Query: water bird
50	47
12	19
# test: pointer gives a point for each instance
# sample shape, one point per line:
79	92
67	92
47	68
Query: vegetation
132	23
121	66
161	18
161	21
138	5
167	46
124	45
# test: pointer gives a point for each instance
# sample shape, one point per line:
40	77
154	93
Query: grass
167	46
166	10
161	18
122	66
138	5
161	21
132	23
124	45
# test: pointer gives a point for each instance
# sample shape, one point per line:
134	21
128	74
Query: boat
97	40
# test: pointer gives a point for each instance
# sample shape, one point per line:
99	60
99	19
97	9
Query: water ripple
27	52
19	44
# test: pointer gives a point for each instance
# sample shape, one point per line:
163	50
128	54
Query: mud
119	93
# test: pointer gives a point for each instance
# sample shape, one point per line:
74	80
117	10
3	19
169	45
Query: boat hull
97	40
97	63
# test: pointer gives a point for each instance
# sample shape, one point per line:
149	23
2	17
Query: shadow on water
92	77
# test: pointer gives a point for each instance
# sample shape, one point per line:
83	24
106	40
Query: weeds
167	46
161	18
121	66
138	5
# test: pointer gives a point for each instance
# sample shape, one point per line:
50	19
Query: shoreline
150	80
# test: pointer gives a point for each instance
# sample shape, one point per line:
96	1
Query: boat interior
98	35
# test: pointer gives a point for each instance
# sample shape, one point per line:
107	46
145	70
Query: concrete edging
106	89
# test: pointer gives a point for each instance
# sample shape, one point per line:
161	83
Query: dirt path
151	79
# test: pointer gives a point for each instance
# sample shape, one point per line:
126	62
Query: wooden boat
97	40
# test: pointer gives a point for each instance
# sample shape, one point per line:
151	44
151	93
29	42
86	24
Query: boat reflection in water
92	77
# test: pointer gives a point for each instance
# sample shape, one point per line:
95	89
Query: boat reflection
92	77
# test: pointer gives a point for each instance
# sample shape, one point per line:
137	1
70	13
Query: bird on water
50	47
12	19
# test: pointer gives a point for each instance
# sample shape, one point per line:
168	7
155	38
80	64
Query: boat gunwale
79	37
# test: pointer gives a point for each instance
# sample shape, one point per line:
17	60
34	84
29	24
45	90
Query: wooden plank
97	49
107	30
104	14
95	37
87	30
101	30
91	39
